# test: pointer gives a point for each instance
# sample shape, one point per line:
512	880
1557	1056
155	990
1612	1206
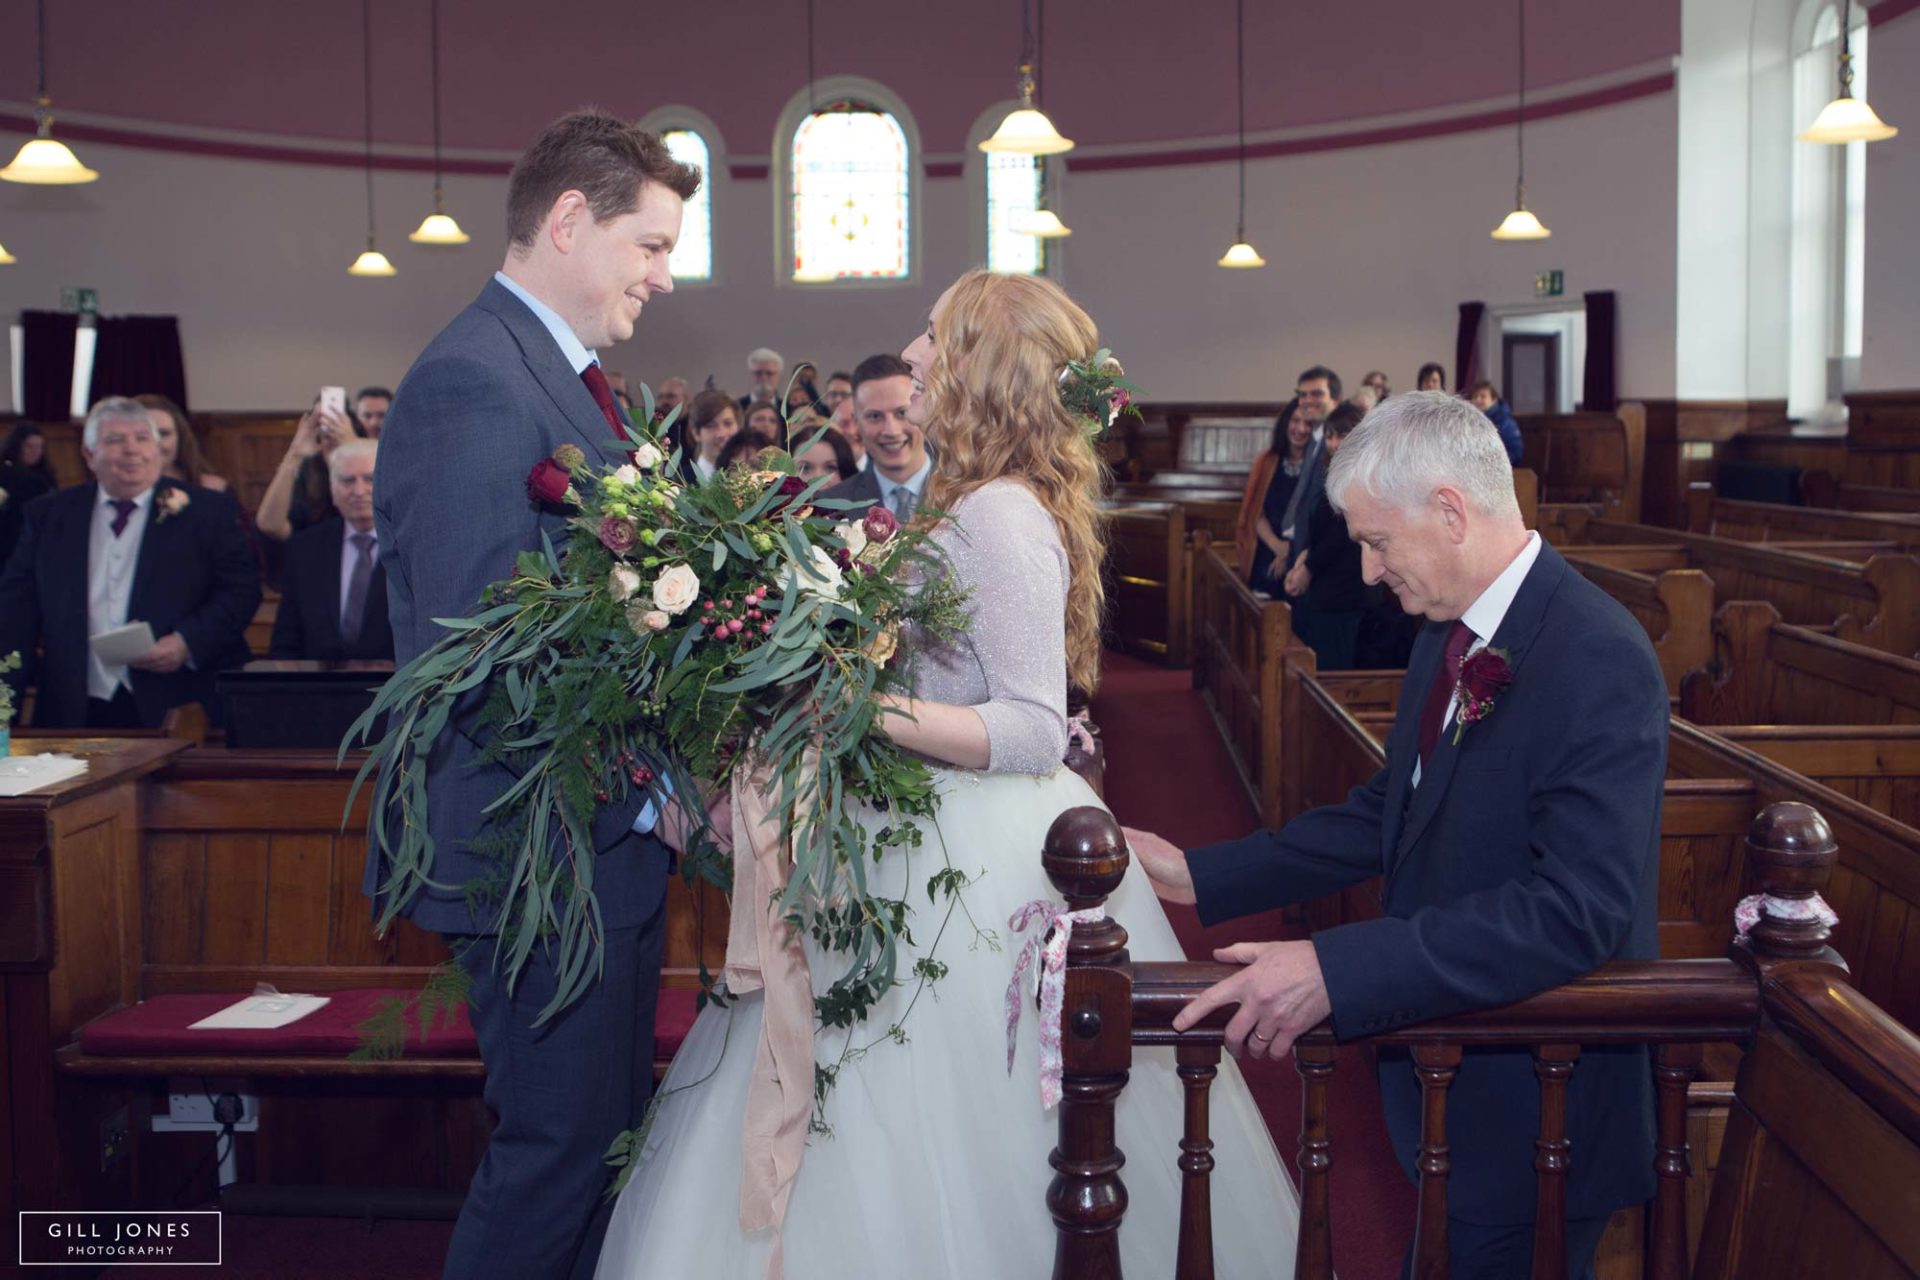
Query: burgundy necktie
596	379
122	512
1440	692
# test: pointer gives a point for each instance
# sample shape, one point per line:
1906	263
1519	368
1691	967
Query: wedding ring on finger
1262	1039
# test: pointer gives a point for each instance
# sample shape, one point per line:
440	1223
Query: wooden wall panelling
1883	439
1766	671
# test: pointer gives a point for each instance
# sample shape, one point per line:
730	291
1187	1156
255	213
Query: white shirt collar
140	503
1484	616
577	353
915	484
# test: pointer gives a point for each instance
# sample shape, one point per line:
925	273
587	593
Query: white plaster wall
1372	250
1890	350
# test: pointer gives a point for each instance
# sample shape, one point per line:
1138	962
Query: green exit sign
80	300
1549	284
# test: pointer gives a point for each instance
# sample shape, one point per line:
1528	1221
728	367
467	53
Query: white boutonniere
169	502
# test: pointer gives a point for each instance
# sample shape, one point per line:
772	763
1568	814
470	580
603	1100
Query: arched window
845	155
693	255
1013	192
1827	287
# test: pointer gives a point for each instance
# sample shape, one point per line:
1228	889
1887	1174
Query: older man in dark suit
1517	825
898	463
514	376
334	607
128	546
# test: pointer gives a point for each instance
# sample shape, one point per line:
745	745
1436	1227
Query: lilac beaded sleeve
1010	664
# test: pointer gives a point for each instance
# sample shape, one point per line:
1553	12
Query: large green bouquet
681	633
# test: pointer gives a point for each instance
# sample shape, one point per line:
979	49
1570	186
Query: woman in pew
300	493
1432	377
180	455
1329	575
25	474
937	1167
1263	505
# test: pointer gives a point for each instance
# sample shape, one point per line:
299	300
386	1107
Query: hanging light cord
1240	82
366	32
1520	119
437	203
42	113
1034	47
1846	48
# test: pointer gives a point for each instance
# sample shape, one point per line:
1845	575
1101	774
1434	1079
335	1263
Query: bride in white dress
937	1162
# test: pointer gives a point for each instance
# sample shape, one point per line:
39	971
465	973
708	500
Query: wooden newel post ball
1086	858
1791	850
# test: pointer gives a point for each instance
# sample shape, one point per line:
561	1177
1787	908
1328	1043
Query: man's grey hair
114	409
1417	441
347	452
761	354
675	381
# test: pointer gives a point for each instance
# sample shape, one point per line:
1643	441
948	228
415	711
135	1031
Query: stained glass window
693	255
1013	191
850	195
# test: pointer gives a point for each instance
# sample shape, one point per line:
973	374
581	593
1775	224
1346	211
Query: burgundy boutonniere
550	482
1484	674
169	502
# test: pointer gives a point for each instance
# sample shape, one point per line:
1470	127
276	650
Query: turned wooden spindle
1791	852
1436	1065
1086	859
1674	1067
1199	1064
1553	1064
1313	1250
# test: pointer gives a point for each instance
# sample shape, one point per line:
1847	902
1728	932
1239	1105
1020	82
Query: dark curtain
46	393
1598	393
138	355
1466	346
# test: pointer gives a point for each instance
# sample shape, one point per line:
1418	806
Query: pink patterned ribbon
1050	947
1797	910
1077	731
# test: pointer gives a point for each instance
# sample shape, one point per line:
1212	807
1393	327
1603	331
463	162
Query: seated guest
334	606
370	407
1432	377
129	546
765	418
1376	380
744	450
1329	574
829	455
839	390
668	396
764	368
1269	490
299	493
25	474
1486	398
842	420
714	421
180	455
899	463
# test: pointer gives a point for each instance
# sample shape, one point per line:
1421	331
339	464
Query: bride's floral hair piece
1096	391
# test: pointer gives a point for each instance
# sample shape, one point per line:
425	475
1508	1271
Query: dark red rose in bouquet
880	523
1484	675
547	483
618	535
789	488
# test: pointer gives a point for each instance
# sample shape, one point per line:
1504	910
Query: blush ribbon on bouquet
764	953
1049	947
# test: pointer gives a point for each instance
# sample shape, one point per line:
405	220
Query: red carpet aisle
1168	772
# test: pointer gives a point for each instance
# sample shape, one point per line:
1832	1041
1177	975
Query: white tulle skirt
937	1165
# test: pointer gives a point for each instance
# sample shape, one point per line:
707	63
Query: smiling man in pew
334	606
1517	822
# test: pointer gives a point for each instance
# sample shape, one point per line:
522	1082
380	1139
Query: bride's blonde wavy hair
993	410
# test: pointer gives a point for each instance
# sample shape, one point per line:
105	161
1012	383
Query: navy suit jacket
308	624
1528	855
194	575
488	398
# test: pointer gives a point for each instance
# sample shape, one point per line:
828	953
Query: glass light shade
1027	132
1044	223
1520	225
46	163
1845	120
6	259
372	263
1241	257
439	228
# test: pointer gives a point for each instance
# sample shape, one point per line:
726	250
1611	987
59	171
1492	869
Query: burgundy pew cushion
163	1025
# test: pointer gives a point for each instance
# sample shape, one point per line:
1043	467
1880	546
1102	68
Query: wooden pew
1875	764
1821	489
1766	671
1674	605
1773	522
1147	593
1589	457
1238	642
1876	603
1825	1118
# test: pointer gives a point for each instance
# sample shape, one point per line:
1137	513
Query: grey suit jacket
864	487
489	398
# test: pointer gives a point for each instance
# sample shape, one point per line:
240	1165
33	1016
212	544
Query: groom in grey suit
593	210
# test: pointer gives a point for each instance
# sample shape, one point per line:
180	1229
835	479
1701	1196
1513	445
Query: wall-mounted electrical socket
197	1113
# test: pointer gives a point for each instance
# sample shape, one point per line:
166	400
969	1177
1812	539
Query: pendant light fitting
1521	224
1847	118
438	227
1026	131
372	262
43	161
1241	256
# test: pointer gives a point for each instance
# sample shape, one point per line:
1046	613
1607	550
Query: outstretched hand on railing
1280	993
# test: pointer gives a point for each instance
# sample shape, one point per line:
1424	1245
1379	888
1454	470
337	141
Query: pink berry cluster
741	620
